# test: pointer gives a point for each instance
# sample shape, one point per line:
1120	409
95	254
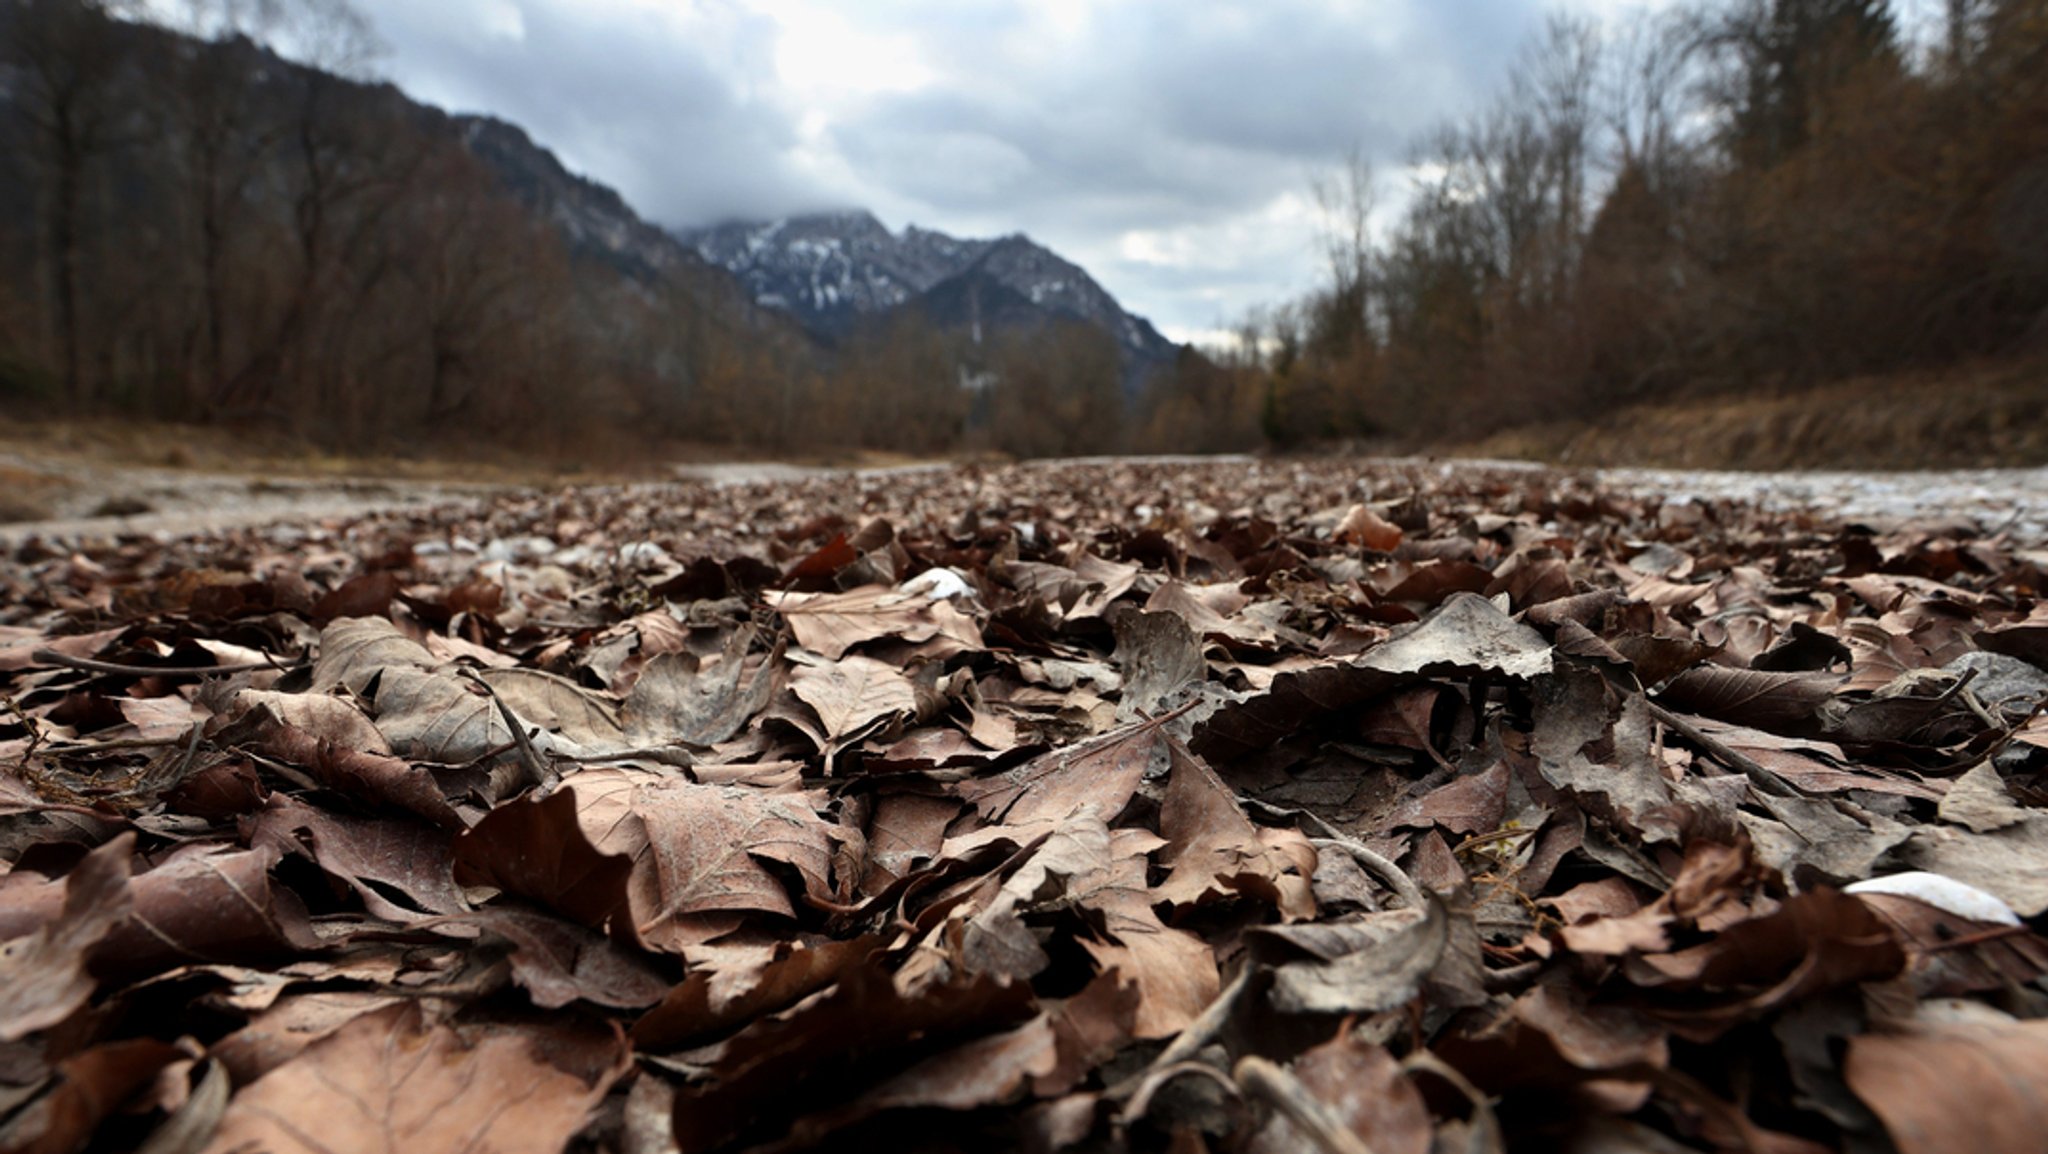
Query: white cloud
1166	146
504	20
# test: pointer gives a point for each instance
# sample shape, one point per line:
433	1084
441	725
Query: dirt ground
76	497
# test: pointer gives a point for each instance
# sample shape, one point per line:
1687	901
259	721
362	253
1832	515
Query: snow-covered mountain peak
834	270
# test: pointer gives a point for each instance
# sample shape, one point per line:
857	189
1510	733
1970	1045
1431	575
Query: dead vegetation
1122	806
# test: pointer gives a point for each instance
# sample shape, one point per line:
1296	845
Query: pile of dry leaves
1116	806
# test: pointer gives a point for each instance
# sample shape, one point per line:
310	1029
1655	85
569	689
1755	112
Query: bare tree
226	133
330	154
68	55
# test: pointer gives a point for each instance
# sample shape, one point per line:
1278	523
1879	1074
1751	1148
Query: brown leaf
1213	849
853	694
1981	1087
1365	1090
1468	804
690	849
295	1021
1814	942
201	903
389	1082
1367	530
1714	888
558	962
708	1002
1212	611
579	720
987	1071
856	1032
1360	967
1174	971
318	715
1099	775
43	977
2001	847
1158	655
904	834
1468	635
377	778
679	699
829	624
1577	710
1785	703
536	848
382	859
430	713
90	1087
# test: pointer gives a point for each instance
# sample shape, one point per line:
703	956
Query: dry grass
53	443
1989	414
26	493
1974	416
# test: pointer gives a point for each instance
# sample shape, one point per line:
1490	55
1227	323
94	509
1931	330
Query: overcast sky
1166	145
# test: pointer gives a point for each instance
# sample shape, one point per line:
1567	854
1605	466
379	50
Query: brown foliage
1418	806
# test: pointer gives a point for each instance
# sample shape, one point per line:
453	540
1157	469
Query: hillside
204	231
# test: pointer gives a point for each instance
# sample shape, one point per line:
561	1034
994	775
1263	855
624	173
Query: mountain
595	221
836	271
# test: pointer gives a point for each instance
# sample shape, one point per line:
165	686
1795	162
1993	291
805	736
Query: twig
1187	1043
1285	1093
1763	779
184	767
1205	1027
1330	837
1485	1121
52	657
1961	684
1379	865
289	773
1977	939
116	744
1151	1080
28	721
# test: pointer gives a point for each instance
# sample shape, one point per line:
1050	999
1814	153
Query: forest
1724	198
1731	198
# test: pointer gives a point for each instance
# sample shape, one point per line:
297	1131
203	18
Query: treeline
1751	195
194	228
1743	195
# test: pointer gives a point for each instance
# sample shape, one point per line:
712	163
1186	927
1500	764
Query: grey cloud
657	119
1165	116
1193	110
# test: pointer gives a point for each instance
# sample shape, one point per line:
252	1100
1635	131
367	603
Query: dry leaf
390	1082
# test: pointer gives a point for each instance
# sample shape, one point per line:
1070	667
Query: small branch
1187	1043
1330	837
1763	779
1285	1093
52	657
1150	1082
1202	1029
1406	888
1977	939
183	768
289	773
1485	1121
115	745
1961	684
